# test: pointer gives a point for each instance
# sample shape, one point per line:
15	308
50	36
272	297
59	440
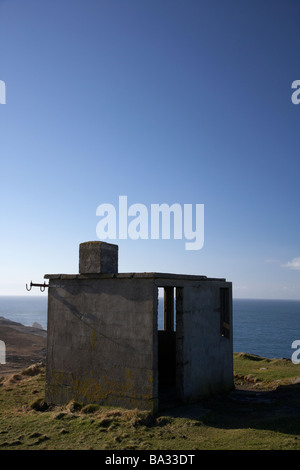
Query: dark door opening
167	349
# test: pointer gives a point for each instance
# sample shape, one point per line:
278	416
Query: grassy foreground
262	413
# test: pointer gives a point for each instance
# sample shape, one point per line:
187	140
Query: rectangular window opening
225	311
166	309
168	317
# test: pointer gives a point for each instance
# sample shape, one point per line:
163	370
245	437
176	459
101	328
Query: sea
266	328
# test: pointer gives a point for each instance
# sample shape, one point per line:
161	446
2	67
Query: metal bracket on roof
41	286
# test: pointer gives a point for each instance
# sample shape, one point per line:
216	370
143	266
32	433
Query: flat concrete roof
183	277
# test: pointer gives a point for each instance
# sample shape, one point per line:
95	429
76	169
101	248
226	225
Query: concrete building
104	345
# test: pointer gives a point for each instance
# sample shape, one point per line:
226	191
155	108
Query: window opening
225	312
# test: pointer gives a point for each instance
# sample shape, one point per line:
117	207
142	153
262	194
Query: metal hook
41	286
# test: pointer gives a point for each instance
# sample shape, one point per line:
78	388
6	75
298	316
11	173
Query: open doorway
167	319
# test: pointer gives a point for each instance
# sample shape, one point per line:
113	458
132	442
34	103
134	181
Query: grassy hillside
262	413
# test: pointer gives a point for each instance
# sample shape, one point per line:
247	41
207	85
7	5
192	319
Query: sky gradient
163	101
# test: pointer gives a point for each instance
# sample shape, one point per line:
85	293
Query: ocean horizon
263	327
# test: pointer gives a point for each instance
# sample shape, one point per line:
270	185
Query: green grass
227	422
263	369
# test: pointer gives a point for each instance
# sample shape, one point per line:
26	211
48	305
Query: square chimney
97	257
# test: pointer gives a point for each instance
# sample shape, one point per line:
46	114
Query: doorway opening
169	302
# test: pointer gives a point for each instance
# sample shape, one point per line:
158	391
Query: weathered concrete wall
103	339
204	356
102	342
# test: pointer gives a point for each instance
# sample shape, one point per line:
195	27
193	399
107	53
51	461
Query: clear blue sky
165	101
